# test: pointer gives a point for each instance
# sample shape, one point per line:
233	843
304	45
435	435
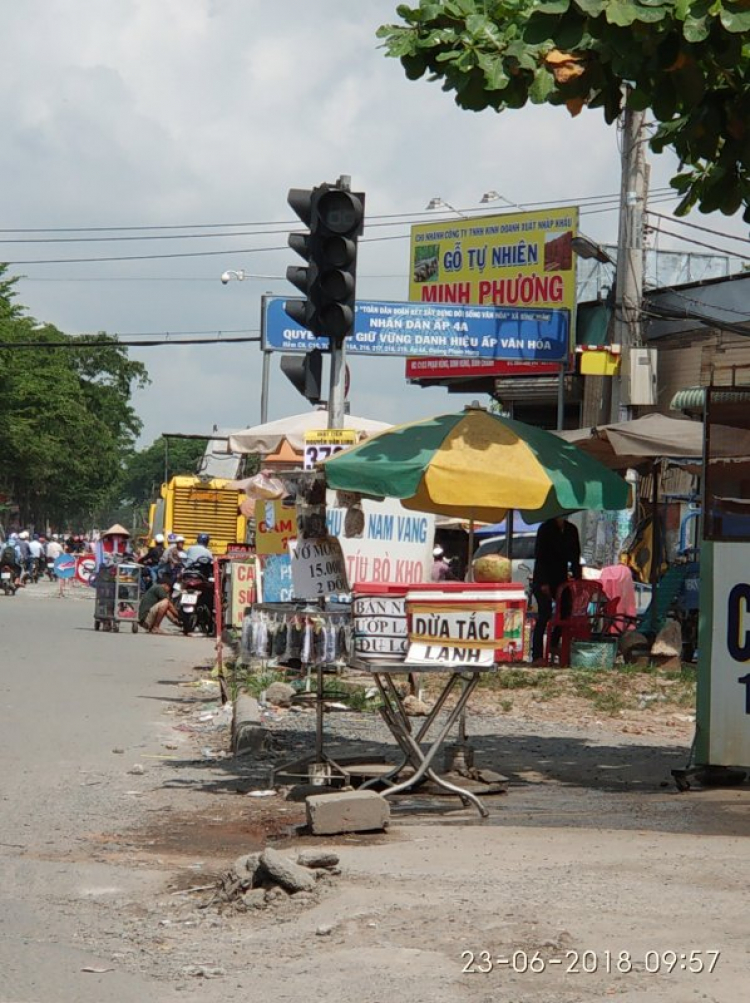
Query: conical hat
116	530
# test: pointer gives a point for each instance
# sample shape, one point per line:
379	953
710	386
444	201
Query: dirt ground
593	878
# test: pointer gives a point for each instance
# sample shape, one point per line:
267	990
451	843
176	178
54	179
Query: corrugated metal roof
693	399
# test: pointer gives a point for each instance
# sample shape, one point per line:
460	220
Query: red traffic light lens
340	211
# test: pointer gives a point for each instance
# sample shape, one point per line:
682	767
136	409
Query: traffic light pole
337	391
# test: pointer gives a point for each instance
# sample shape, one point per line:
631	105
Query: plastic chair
582	611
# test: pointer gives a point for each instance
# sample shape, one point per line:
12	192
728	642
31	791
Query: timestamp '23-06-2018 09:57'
589	962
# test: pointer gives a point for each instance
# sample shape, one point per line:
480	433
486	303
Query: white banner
383	541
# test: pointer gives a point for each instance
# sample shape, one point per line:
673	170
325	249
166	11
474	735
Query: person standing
441	569
557	555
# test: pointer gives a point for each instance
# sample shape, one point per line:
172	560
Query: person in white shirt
54	549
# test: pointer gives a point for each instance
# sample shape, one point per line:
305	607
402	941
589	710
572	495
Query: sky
197	116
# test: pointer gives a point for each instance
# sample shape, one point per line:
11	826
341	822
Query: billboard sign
513	262
454	330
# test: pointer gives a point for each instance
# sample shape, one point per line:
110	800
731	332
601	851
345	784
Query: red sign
439	368
239	550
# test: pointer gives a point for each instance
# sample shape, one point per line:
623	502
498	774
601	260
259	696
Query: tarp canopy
267	438
637	443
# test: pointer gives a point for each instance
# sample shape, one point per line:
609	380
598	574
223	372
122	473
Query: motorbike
194	597
49	568
8	579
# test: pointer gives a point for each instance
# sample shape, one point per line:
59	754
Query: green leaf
734	19
494	72
696	29
542	86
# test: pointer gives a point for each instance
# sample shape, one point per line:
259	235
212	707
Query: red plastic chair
582	610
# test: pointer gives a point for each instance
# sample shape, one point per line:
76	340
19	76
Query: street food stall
360	547
479	466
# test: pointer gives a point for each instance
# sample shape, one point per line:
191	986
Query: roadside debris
259	880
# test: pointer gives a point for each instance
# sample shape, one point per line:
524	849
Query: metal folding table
463	678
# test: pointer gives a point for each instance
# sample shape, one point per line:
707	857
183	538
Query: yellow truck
189	506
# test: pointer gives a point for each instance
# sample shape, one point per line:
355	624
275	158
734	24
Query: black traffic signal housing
306	373
335	217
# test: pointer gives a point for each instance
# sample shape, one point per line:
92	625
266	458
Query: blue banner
277	578
448	330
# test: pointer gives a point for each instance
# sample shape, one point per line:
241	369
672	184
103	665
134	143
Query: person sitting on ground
155	604
557	553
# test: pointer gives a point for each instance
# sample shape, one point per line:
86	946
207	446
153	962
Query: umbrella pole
655	542
470	569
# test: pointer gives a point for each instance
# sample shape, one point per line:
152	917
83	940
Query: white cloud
147	112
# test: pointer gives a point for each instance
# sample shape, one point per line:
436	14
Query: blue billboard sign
449	330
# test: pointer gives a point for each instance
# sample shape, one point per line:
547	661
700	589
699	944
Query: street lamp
241	275
232	274
438	203
586	248
493	196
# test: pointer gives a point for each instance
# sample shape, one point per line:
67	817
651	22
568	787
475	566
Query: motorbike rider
199	549
172	558
24	553
153	556
36	551
9	558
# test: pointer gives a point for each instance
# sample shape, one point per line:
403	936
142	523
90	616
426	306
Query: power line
79	345
697	226
701	243
247	250
286	223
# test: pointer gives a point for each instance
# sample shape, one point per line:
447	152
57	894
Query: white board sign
318	568
453	637
395	544
321	443
379	626
729	654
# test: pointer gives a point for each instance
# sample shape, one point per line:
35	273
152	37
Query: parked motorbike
193	597
8	579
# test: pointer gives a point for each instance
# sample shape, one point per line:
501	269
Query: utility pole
630	256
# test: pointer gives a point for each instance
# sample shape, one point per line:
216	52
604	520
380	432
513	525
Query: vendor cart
118	595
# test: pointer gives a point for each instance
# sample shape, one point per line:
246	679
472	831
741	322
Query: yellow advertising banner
275	526
522	264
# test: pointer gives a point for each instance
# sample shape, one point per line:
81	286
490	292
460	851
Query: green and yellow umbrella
477	465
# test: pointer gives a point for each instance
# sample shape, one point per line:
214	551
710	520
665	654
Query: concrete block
248	733
347	811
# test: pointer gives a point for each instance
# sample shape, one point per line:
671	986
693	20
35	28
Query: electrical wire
581	200
701	243
697	226
85	346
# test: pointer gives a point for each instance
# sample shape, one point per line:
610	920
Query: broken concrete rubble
270	878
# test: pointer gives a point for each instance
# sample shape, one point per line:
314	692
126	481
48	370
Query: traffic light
335	217
306	373
303	312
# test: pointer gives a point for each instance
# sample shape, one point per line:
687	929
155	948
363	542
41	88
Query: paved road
68	697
